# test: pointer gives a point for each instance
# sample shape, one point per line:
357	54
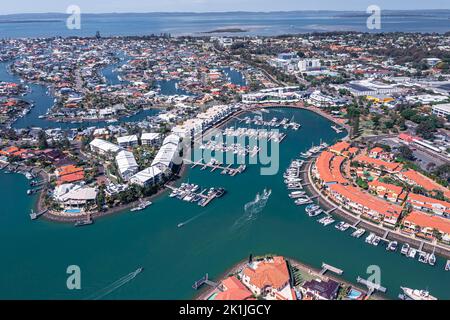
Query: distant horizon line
230	11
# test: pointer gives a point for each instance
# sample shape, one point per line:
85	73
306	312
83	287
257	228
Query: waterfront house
427	226
147	177
126	164
320	289
127	141
269	278
328	169
104	147
79	198
233	289
428	204
168	154
362	203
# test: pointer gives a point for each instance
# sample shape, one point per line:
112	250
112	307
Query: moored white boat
415	294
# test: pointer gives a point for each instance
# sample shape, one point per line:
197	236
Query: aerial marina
327	150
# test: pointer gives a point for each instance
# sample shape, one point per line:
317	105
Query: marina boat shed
126	164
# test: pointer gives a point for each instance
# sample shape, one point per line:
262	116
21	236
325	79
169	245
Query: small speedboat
412	253
405	249
432	259
392	246
423	257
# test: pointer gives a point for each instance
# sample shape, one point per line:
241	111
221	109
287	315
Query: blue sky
94	6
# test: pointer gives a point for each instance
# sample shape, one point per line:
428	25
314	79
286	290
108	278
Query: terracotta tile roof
323	166
378	185
234	290
424	182
376	150
390	166
269	274
69	173
428	202
336	164
424	220
373	203
340	147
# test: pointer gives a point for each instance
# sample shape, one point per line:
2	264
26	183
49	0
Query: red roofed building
362	203
424	224
233	289
406	137
418	179
376	152
388	191
69	174
340	147
428	204
328	168
269	278
378	164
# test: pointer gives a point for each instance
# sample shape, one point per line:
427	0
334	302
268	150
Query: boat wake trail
252	209
115	285
182	224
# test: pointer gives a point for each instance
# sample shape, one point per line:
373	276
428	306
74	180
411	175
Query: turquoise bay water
35	254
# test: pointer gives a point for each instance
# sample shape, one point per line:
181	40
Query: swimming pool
354	294
72	211
213	296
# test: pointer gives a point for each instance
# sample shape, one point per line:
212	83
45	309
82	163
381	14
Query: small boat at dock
412	253
447	265
415	294
82	223
392	246
358	233
405	249
432	259
143	205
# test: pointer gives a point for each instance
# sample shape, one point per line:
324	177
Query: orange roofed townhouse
378	164
270	279
17	152
328	168
428	204
69	174
340	147
387	191
418	179
233	289
368	206
379	153
426	226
